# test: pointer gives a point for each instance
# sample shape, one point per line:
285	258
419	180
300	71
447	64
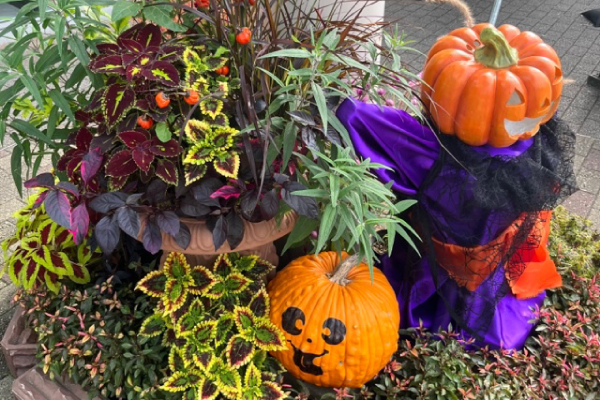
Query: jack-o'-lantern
491	86
341	327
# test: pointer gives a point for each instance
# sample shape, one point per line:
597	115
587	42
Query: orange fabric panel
531	265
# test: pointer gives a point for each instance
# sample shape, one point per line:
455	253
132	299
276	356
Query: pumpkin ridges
542	50
525	40
538	86
506	84
434	68
509	31
466	34
475	111
449	42
480	27
375	353
447	92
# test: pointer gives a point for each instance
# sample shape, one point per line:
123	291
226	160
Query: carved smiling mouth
304	361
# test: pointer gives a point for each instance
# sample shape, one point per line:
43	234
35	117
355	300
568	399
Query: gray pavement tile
577	161
6	387
592	160
583	145
590	128
588	180
576	116
580	203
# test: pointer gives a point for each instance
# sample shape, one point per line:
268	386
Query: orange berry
145	122
162	100
244	37
191	97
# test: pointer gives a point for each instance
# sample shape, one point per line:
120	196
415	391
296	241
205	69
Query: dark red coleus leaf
45	180
130	45
96	101
162	71
142	156
133	139
172	148
271	391
239	351
58	208
80	223
90	164
142	105
118	99
108	48
117	183
149	35
110	64
69	155
208	389
83	138
167	171
121	164
171	53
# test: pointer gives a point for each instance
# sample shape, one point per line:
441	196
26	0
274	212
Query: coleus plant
183	161
44	253
216	320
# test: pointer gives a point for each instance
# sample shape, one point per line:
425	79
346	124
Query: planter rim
256	234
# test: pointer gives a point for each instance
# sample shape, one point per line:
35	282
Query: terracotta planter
258	239
34	385
19	344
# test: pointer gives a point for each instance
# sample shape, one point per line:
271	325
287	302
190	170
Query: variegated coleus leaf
153	326
153	284
194	172
260	304
202	280
267	336
176	360
211	107
228	379
117	100
196	130
214	63
223	265
236	282
181	380
271	391
197	354
239	351
204	333
149	36
79	274
198	155
227	165
175	295
176	267
244	318
193	63
209	390
188	321
162	71
168	149
224	328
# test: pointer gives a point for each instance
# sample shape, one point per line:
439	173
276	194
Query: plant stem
343	269
496	52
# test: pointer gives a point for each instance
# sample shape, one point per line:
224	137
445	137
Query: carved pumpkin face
338	335
491	86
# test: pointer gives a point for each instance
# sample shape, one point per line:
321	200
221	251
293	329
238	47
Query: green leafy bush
91	337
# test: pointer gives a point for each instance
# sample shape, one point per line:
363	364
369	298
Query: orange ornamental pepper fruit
244	37
145	122
251	2
162	100
202	3
191	97
224	71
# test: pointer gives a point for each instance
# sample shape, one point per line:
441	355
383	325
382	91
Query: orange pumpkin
491	86
342	329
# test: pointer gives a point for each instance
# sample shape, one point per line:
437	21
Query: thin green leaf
161	14
62	103
321	104
327	221
124	9
289	53
33	89
15	168
29	130
303	228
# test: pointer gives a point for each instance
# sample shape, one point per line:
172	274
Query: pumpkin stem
496	52
342	270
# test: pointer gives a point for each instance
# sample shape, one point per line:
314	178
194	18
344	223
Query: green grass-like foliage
42	253
216	322
560	360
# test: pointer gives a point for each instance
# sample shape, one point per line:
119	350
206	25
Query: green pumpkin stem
343	269
496	52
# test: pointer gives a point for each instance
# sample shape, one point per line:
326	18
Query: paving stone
580	203
592	160
583	145
594	217
590	128
577	162
588	180
6	387
7	228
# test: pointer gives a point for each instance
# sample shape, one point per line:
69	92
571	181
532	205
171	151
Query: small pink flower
415	101
389	103
381	91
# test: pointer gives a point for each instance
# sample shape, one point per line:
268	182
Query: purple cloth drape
397	140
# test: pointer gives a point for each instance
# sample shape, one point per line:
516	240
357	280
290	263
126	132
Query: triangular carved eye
557	74
546	103
516	99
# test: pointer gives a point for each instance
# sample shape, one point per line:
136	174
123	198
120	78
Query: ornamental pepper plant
216	321
209	110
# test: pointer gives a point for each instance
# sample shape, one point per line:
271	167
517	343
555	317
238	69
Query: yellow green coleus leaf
153	326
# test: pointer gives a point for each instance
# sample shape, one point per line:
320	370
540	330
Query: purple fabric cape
397	140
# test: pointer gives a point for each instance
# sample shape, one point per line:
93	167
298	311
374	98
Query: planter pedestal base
34	385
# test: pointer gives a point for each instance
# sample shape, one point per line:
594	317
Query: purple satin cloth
397	140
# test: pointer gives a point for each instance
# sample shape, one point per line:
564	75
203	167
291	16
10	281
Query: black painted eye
337	331
290	317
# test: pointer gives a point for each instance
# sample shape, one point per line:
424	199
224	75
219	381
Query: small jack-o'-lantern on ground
491	86
341	327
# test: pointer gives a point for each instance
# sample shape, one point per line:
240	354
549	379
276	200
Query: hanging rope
460	6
